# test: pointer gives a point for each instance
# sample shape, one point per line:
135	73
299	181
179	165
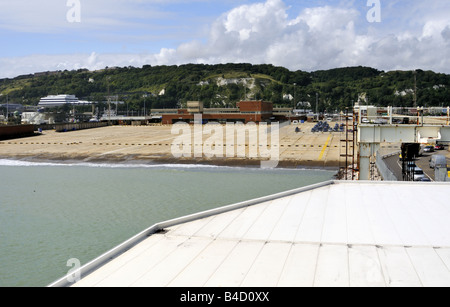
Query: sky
308	35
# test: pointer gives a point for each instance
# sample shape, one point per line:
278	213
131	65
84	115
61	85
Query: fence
384	171
79	126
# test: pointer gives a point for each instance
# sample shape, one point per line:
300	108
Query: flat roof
349	234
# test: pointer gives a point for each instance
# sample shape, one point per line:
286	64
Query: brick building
247	111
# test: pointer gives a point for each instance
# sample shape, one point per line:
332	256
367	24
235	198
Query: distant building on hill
60	100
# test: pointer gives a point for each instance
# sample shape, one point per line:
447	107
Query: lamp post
145	113
109	102
7	109
295	103
415	88
317	106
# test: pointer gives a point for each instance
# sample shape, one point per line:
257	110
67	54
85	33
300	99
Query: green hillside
223	85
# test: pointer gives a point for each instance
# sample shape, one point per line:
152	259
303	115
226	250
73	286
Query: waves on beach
23	163
137	165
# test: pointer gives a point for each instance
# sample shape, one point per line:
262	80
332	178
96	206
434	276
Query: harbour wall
16	131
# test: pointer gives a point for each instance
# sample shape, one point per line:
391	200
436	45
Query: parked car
438	161
381	121
439	147
428	149
419	175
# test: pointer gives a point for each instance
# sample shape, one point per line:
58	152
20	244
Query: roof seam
315	242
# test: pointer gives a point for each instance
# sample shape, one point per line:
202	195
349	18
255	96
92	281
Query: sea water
52	212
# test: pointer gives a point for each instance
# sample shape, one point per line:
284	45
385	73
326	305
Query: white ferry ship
60	100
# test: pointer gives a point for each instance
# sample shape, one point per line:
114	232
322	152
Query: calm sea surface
50	213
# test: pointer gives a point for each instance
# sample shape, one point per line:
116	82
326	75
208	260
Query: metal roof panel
334	234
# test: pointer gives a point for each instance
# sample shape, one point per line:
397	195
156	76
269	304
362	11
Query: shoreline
153	145
152	160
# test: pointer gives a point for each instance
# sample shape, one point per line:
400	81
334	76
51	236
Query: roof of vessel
349	234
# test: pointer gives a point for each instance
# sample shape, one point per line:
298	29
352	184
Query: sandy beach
153	144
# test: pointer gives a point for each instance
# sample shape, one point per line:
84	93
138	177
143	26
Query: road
424	163
395	165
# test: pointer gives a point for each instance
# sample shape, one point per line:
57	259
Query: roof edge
130	243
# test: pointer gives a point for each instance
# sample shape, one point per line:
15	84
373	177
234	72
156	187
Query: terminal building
247	111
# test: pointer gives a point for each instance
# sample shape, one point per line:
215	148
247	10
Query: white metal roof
334	234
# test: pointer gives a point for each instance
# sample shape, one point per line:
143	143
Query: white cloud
322	37
40	63
316	38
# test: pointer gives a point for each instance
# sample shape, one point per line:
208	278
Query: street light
317	105
295	86
415	88
145	96
6	106
109	101
7	109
